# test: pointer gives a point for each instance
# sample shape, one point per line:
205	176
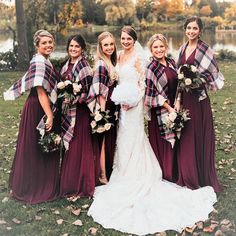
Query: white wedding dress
137	200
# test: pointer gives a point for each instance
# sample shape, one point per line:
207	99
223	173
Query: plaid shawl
40	73
81	72
156	94
207	66
101	84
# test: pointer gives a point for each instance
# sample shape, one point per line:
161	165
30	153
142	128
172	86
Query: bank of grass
20	219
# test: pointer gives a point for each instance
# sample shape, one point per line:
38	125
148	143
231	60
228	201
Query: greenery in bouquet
67	91
189	78
101	121
175	121
50	142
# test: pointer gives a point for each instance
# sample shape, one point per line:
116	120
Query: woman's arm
45	103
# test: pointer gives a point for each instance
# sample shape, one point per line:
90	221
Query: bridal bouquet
189	77
101	121
50	142
67	91
175	121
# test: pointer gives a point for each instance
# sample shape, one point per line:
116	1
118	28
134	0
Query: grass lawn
56	218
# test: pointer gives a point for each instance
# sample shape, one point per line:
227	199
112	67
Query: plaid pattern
40	73
207	66
82	73
101	84
156	94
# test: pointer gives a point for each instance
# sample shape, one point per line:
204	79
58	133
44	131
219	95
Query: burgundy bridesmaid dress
34	177
165	154
196	156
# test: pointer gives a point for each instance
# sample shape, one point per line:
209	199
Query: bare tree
23	51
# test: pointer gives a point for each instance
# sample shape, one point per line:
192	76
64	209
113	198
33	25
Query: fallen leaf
16	221
2	222
38	217
60	221
56	212
5	199
76	212
9	228
66	234
93	230
85	206
77	222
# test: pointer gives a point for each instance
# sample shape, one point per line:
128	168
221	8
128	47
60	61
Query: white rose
77	87
57	140
101	130
98	117
172	116
188	81
180	76
61	85
107	126
203	80
67	82
193	68
93	124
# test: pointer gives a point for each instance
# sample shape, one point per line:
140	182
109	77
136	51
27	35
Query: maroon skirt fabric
196	155
34	177
78	165
166	155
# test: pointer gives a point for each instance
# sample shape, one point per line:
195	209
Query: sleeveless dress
196	157
136	199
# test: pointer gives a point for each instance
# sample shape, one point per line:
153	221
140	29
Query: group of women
142	179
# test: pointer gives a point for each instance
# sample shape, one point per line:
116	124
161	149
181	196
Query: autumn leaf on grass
76	212
77	222
56	212
38	217
2	222
5	199
85	206
93	230
16	221
60	221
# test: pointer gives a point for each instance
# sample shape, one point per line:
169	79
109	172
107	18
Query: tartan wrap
156	94
100	85
82	73
206	65
40	73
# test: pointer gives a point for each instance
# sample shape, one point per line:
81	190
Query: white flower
172	116
107	126
61	85
203	80
57	140
67	82
93	124
188	81
98	117
193	68
180	76
76	88
113	75
101	129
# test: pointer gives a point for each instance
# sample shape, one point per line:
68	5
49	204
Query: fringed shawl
156	94
207	66
83	74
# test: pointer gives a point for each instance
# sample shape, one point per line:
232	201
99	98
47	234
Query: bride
137	200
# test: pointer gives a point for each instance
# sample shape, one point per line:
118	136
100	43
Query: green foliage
8	61
226	55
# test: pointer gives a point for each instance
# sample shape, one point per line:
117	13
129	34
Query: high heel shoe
103	179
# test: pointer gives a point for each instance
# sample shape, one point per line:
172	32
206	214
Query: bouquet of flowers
50	142
101	121
67	91
175	121
189	77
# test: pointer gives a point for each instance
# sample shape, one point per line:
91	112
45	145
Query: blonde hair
39	34
100	54
156	37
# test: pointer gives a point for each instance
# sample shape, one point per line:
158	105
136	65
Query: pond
217	40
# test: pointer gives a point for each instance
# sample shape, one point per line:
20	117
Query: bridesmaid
34	176
161	85
104	81
196	159
77	170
